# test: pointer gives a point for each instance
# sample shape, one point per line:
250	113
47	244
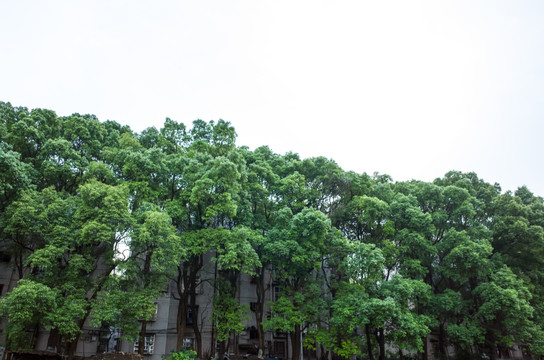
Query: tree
156	251
506	314
204	199
257	210
29	306
234	255
518	239
300	243
381	307
80	254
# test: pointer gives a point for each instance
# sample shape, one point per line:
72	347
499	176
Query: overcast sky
410	89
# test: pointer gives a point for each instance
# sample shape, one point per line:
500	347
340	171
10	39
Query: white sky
410	89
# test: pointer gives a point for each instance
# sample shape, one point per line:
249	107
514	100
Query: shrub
180	355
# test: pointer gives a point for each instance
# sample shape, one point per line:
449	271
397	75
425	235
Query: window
188	343
4	257
254	306
192	315
149	344
277	291
199	289
253	333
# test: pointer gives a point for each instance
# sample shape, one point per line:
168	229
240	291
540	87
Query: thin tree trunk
287	345
181	323
259	310
323	352
19	264
213	341
141	338
197	264
56	342
143	328
380	336
368	342
196	329
222	348
491	345
442	341
425	354
72	345
181	318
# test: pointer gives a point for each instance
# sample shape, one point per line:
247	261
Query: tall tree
80	254
300	243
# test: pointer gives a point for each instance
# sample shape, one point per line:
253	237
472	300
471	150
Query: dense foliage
96	219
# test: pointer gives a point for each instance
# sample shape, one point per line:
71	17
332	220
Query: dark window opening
192	315
254	306
4	257
277	291
253	333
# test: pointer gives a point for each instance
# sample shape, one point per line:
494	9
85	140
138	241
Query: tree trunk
19	264
181	323
196	265
143	328
213	340
72	345
492	346
380	336
295	343
186	287
222	349
141	338
323	352
198	335
368	342
287	345
53	340
259	309
181	318
442	342
425	354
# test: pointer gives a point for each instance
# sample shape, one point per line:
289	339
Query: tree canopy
96	219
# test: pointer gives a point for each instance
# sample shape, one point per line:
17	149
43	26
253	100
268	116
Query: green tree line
96	220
